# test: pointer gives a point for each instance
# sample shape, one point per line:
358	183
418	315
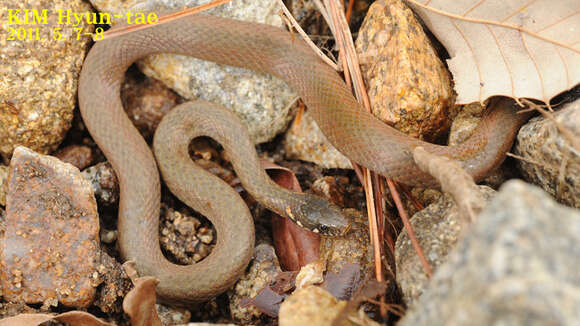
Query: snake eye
323	229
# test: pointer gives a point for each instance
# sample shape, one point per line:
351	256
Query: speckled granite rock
261	101
551	161
262	270
305	141
39	79
408	86
438	227
50	250
517	265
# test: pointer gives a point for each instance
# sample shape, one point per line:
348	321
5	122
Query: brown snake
355	132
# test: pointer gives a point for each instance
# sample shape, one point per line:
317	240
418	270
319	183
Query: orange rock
408	85
50	249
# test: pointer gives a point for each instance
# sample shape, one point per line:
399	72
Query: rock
39	78
517	265
115	285
262	102
10	309
352	248
422	196
79	156
104	183
146	101
310	274
463	127
310	306
50	250
438	228
3	177
184	236
465	123
329	188
304	141
172	316
341	190
550	160
408	86
262	270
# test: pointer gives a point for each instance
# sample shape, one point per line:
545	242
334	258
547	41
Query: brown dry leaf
516	48
139	303
73	318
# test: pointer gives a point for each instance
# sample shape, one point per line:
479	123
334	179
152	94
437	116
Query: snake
266	49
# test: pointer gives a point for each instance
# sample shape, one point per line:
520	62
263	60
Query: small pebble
184	237
310	306
77	155
146	101
104	183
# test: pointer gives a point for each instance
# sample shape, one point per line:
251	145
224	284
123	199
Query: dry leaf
295	246
516	48
73	318
139	303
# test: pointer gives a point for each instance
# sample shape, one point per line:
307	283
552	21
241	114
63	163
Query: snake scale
350	128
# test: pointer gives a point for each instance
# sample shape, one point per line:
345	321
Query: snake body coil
352	130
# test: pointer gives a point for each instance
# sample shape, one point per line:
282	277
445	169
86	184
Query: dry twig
300	31
409	228
351	68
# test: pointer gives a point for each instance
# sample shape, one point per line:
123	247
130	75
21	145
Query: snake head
324	217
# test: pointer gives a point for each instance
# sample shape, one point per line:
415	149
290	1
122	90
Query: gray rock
263	102
517	265
305	141
550	160
39	77
438	228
